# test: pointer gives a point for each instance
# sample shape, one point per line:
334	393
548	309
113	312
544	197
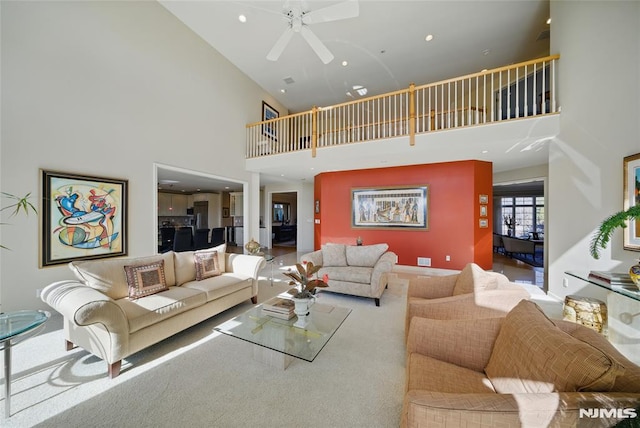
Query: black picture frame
83	217
269	114
400	207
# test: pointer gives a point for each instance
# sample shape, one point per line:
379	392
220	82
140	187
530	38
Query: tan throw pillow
144	280
207	265
532	355
221	250
473	278
334	255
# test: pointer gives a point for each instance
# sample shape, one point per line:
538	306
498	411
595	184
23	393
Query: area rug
201	378
536	261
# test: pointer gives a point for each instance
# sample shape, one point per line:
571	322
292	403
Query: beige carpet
201	378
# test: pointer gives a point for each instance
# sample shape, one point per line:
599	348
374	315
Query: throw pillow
473	278
207	265
334	255
221	250
365	255
144	280
532	355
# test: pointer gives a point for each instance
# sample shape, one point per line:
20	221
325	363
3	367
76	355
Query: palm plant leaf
20	204
602	235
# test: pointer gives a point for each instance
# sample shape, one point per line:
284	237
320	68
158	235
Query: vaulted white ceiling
386	50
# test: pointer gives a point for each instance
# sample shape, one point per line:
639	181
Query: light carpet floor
202	378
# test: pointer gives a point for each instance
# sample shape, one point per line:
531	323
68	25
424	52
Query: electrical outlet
424	261
447	258
565	282
38	292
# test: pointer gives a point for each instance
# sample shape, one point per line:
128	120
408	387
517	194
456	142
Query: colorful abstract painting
83	217
632	198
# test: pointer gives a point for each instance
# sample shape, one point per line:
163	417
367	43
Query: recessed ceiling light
227	187
548	21
283	91
483	70
242	18
485	151
345	63
429	37
486	52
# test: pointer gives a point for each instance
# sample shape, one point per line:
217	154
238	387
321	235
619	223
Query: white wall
599	89
107	89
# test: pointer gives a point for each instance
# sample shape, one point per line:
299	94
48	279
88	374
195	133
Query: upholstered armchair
473	293
522	370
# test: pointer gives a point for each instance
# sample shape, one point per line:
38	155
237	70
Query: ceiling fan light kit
299	21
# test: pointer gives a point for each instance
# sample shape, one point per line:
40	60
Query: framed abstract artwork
268	113
632	198
83	217
404	207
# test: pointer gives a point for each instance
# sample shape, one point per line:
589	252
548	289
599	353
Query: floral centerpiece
511	224
304	281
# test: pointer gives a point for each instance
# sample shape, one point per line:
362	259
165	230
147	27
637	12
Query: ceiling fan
299	18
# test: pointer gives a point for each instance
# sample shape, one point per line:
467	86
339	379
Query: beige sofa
102	316
522	370
472	293
358	270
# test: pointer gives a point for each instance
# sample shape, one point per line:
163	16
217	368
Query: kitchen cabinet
172	204
240	236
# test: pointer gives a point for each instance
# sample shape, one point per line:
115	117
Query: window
281	212
522	215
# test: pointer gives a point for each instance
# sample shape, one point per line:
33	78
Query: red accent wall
453	212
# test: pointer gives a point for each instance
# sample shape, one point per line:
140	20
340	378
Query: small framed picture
483	223
483	210
484	199
269	114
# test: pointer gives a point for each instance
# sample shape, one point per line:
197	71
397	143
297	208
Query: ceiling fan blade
346	9
316	44
281	43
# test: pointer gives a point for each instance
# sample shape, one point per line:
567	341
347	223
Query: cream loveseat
117	307
352	269
522	370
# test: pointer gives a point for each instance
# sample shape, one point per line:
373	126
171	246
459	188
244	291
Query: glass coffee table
277	342
14	328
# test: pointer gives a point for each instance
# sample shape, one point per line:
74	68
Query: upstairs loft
514	108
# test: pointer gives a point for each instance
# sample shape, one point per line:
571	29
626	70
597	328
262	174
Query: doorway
519	209
284	220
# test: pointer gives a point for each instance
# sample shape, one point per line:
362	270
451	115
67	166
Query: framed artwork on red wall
402	207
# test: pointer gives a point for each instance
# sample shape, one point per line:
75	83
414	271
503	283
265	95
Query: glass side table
269	258
14	328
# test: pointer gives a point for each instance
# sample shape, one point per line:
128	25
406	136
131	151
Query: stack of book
279	307
611	278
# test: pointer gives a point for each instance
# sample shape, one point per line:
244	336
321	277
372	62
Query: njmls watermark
609	413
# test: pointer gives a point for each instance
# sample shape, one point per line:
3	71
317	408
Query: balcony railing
512	92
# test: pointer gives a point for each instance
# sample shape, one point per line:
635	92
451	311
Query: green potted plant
305	287
19	204
602	236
